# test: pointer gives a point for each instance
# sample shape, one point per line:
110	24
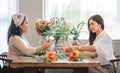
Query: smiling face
94	27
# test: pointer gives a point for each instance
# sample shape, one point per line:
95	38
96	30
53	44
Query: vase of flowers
42	26
60	31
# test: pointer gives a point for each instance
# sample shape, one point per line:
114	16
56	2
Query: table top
58	64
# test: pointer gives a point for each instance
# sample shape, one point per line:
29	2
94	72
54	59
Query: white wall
33	9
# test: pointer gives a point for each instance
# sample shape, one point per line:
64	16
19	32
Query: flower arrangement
50	56
57	29
72	55
42	26
60	29
75	55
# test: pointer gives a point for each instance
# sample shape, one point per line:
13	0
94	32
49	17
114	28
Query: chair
9	69
4	56
0	68
115	61
6	60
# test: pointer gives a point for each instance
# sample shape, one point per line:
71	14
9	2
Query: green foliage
42	52
61	56
76	30
44	32
60	29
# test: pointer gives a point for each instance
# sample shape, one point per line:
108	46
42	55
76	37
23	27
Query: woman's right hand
46	44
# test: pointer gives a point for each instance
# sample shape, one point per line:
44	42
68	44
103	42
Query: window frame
45	12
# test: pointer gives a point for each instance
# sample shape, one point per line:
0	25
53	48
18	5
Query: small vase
41	41
59	44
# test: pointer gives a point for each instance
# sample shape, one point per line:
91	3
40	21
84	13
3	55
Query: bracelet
96	55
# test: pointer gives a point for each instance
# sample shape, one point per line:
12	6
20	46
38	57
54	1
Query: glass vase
60	44
41	41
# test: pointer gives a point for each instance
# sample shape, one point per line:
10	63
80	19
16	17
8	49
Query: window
7	8
76	10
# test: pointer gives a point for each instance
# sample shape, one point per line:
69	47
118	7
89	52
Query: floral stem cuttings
60	29
76	30
42	26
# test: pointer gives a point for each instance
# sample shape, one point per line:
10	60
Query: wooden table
30	67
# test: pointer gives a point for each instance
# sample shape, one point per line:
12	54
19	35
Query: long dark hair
99	20
13	30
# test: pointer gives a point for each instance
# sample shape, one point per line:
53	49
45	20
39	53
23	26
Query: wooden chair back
114	63
3	58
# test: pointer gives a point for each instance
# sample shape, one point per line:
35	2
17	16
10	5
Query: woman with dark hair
99	42
19	49
18	45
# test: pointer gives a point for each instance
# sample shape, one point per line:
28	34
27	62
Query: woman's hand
46	44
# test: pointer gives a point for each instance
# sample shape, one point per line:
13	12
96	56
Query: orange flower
74	55
67	49
51	56
36	24
42	27
70	57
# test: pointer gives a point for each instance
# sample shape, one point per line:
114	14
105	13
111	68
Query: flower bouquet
60	31
42	26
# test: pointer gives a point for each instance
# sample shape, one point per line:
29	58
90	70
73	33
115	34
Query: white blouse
104	48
